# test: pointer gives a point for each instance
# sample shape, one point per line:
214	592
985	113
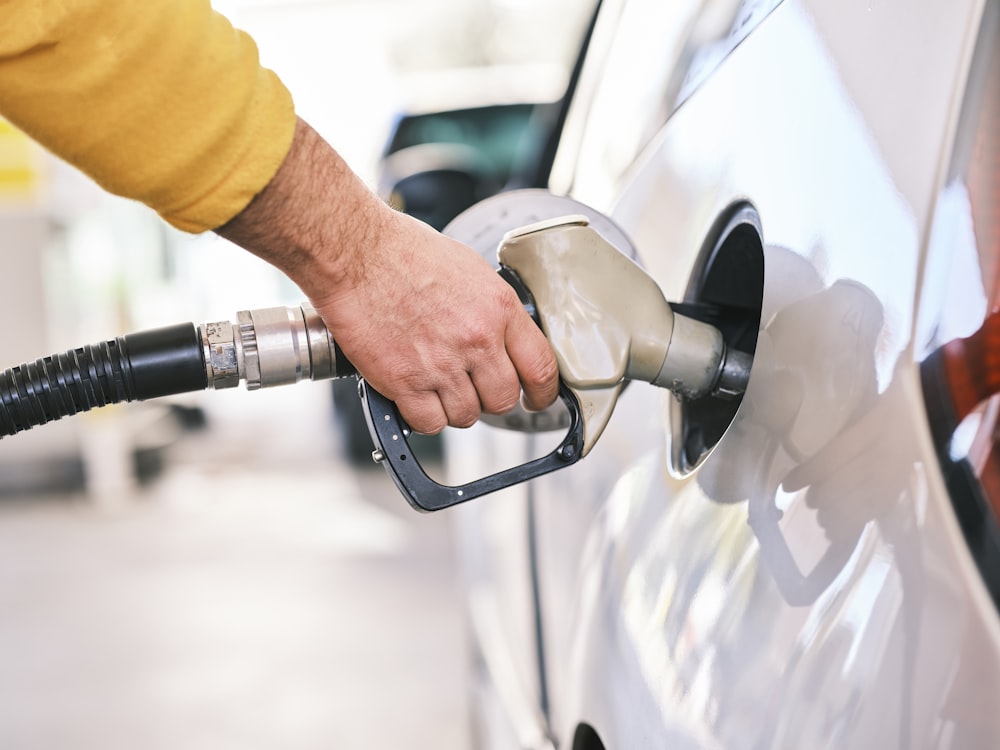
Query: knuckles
426	424
505	399
465	420
542	374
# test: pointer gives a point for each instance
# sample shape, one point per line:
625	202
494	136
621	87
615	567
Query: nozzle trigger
390	435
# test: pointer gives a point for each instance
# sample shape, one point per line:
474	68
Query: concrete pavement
259	594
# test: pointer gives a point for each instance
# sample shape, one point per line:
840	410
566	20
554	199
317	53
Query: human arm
424	318
428	321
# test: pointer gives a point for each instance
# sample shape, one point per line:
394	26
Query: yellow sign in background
19	164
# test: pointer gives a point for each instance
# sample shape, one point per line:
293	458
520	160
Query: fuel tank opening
727	291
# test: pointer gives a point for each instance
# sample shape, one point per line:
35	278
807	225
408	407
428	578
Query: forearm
312	219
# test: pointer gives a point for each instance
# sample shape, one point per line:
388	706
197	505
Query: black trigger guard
390	435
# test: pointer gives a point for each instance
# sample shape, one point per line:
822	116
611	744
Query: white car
817	565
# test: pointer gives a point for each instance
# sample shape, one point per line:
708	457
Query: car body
794	570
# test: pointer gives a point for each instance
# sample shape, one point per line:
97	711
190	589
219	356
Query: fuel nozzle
608	322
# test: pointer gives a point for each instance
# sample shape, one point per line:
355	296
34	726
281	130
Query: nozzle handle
392	449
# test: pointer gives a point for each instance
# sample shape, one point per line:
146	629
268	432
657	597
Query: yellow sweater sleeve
162	101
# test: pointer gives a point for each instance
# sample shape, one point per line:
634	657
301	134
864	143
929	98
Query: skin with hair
423	317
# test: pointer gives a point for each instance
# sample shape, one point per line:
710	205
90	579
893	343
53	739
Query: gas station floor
260	593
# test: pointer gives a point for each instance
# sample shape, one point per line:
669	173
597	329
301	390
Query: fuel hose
265	347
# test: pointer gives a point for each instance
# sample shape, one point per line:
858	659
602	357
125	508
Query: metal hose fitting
271	346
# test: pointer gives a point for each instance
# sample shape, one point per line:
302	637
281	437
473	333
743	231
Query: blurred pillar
43	459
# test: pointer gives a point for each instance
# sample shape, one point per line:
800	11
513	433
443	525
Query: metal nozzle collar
268	347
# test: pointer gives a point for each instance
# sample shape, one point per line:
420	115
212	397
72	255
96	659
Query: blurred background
222	570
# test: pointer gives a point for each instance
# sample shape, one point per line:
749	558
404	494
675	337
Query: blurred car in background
437	164
815	565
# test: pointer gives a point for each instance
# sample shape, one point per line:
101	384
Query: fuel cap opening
726	290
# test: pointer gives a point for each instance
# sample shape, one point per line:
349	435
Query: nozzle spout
608	322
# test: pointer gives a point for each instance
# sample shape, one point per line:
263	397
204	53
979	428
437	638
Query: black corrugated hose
134	367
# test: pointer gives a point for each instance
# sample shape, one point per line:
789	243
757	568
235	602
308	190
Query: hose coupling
271	346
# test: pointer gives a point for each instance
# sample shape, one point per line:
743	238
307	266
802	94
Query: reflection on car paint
692	570
707	57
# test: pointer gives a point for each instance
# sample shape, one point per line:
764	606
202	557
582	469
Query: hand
424	318
435	329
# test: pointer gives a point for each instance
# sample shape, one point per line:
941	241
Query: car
815	564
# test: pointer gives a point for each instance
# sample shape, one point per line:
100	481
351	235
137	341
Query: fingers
502	360
521	359
429	412
534	361
423	412
497	386
461	404
494	387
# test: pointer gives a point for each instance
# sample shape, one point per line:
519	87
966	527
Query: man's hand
435	329
425	319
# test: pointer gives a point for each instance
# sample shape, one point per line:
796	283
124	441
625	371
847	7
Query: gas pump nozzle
606	319
608	322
